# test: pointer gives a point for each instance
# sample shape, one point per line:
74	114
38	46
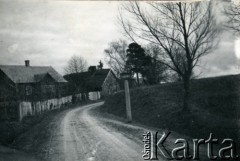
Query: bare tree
233	15
115	55
184	31
76	64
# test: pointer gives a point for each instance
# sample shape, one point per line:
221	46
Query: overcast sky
50	32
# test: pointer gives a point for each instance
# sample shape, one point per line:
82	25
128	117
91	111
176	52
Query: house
131	82
94	84
27	86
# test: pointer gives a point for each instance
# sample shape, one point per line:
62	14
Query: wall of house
8	104
41	91
93	96
7	88
27	91
131	81
38	107
110	85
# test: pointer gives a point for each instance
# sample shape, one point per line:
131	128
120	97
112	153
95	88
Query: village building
94	84
28	90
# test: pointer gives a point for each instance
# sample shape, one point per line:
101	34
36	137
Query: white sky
50	32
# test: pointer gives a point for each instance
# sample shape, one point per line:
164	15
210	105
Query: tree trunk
186	84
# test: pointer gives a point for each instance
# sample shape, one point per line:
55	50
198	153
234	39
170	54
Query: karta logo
154	145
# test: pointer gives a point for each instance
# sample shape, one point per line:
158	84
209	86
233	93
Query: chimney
92	69
27	63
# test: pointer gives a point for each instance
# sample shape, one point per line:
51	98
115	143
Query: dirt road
82	134
84	137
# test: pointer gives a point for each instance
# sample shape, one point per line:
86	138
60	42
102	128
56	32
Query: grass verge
214	107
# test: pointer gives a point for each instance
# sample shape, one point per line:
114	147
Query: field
214	107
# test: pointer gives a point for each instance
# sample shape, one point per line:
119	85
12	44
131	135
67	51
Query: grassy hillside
214	107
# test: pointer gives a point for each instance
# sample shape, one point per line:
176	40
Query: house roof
40	77
98	78
30	74
91	81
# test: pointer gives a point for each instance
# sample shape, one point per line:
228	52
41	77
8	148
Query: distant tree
76	64
233	15
100	66
137	60
116	55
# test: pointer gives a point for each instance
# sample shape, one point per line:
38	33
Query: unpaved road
82	134
83	137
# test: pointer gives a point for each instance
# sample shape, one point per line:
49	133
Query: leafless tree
233	13
115	55
76	64
184	31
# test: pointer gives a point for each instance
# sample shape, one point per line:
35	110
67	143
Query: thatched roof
30	74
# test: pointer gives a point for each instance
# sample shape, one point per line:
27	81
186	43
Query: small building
94	84
21	84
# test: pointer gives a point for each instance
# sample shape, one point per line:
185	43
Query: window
28	90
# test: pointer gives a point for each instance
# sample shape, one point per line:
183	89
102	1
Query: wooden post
128	103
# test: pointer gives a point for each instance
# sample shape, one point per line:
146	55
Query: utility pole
125	76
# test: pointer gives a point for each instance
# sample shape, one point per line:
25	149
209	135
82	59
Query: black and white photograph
119	80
